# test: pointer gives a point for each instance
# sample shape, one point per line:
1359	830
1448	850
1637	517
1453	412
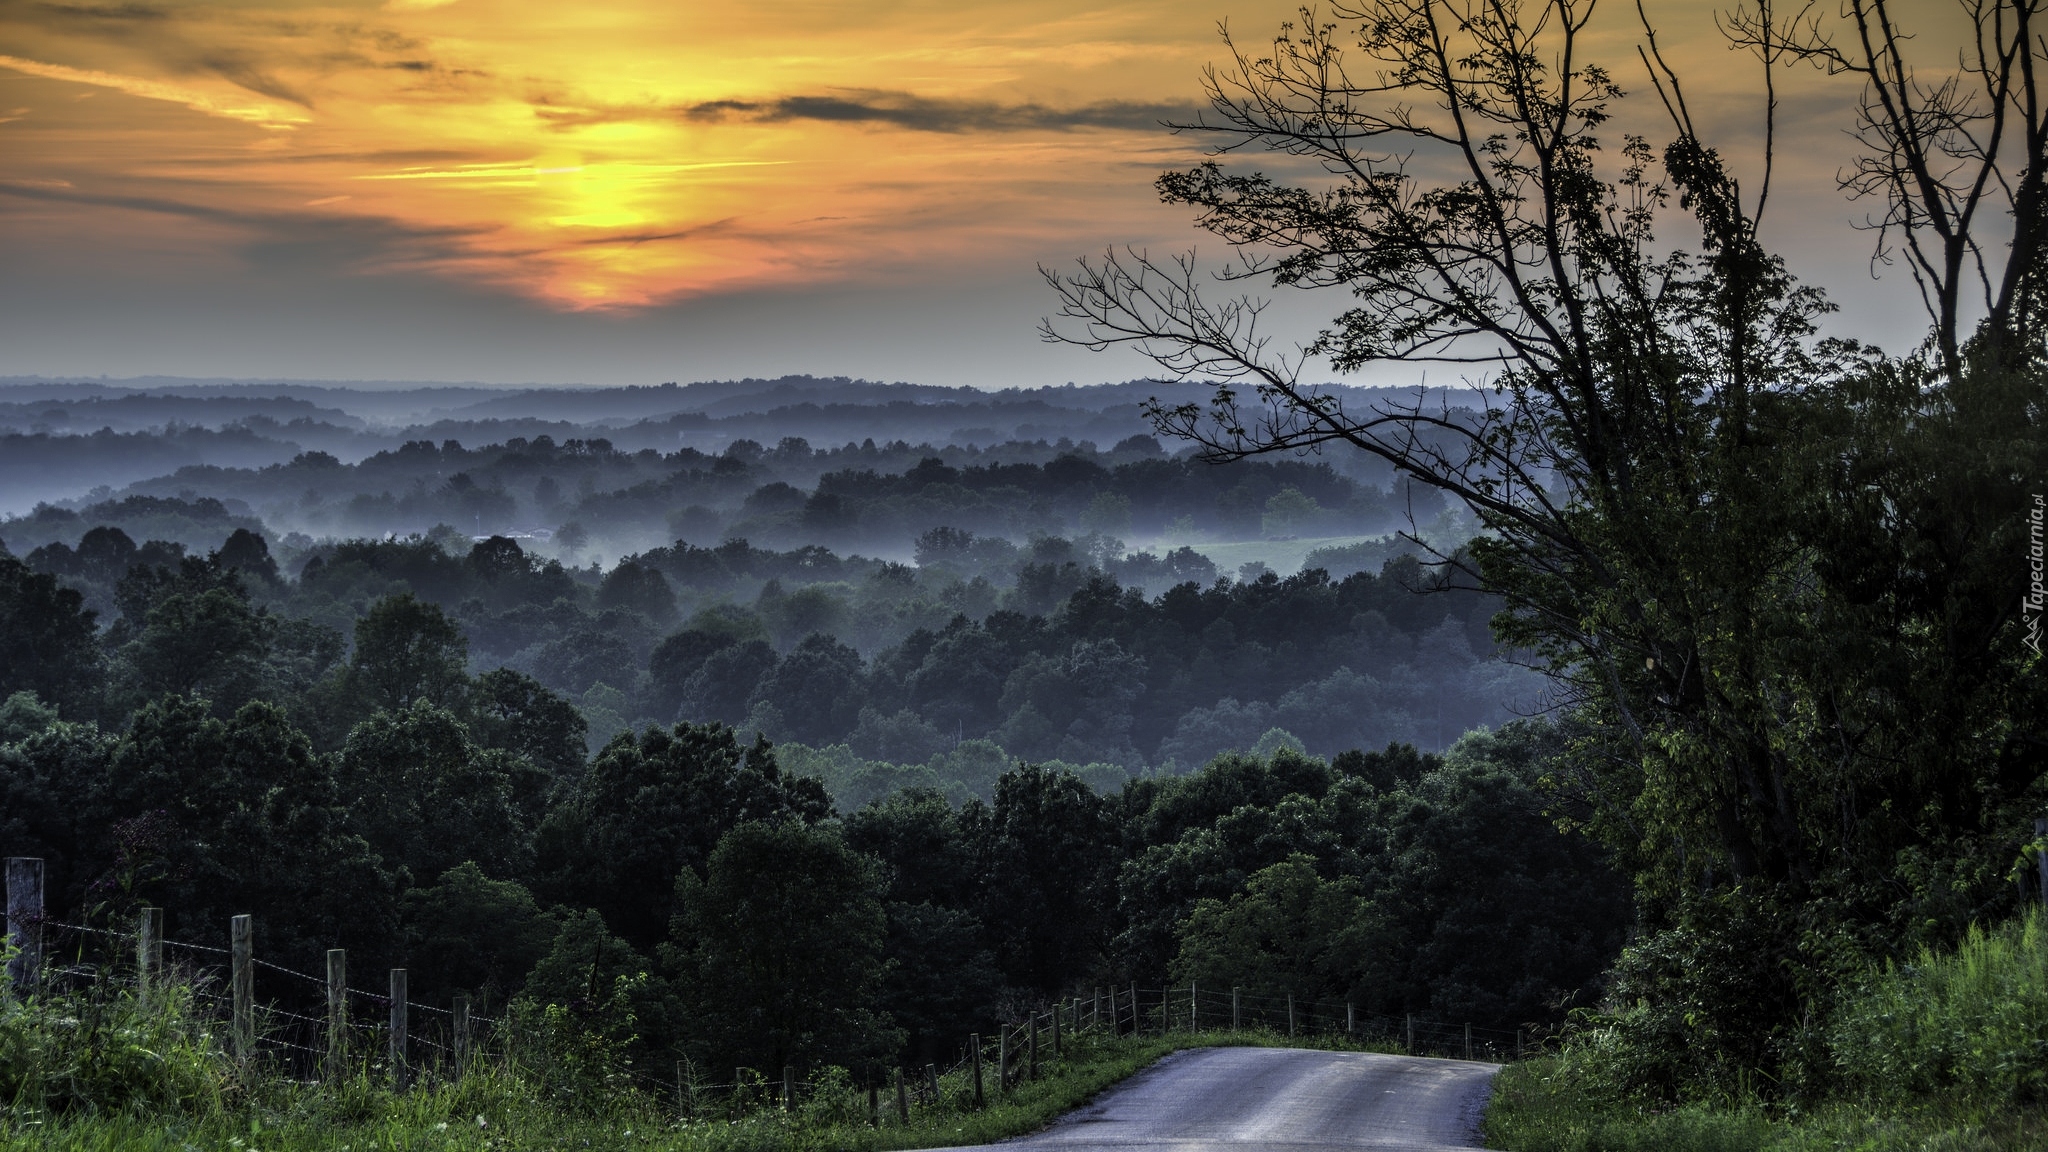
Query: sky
635	191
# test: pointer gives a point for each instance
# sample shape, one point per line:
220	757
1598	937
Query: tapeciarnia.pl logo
2037	590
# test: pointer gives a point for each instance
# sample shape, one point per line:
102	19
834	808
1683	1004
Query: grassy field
491	1111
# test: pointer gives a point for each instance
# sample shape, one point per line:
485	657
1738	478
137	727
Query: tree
1050	864
673	662
780	949
47	643
209	817
407	649
942	980
721	686
248	553
1288	932
1775	573
474	934
209	643
517	713
651	806
427	798
817	688
638	588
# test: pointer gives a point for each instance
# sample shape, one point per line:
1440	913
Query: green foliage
474	934
779	947
407	649
1287	931
107	1052
1050	870
1968	1027
427	798
654	804
574	1057
46	638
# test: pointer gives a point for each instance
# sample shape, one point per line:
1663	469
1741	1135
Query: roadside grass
1539	1106
1944	1052
493	1111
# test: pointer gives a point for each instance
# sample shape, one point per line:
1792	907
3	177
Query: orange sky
607	154
617	157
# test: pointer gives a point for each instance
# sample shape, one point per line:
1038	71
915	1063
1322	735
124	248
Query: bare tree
1950	155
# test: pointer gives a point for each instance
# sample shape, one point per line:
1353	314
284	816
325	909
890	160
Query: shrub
1969	1027
103	1051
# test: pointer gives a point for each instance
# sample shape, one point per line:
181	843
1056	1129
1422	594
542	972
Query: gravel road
1288	1100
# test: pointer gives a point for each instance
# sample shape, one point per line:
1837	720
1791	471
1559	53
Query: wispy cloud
523	171
894	109
263	116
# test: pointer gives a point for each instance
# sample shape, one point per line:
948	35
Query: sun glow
612	155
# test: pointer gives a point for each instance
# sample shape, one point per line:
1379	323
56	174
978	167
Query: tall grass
108	1051
1968	1027
1948	1053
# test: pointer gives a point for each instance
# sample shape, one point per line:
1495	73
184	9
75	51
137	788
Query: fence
388	1034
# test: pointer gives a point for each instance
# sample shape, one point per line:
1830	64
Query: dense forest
395	751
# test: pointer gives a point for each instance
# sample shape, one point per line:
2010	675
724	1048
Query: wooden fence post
149	951
1055	1031
1137	1021
1236	1021
974	1054
1194	1013
1031	1059
1411	1033
461	1033
337	1013
931	1077
1002	1058
1350	1018
1095	1012
789	1088
1468	1039
242	979
874	1105
1518	1042
394	1055
24	922
1290	1015
902	1100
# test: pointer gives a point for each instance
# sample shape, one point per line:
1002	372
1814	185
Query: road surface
1284	1099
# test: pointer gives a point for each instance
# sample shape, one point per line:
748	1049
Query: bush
1969	1027
108	1052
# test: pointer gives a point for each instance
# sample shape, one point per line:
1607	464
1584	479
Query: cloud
274	119
106	11
895	109
633	239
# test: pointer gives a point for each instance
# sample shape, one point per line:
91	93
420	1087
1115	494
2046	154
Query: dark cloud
104	11
244	73
311	240
894	109
631	239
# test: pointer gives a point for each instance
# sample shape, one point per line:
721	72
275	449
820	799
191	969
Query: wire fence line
359	1031
267	1037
